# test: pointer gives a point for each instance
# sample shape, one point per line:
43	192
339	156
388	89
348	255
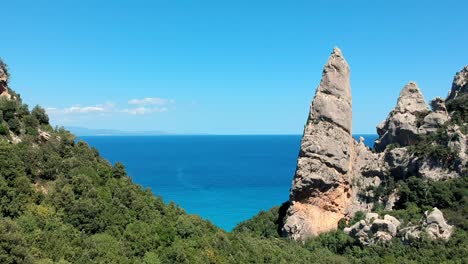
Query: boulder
437	227
43	136
373	229
433	224
370	217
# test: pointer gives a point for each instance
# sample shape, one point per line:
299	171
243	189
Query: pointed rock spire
320	194
460	84
411	99
401	125
332	100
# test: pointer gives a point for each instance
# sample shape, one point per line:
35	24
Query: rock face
434	225
401	125
4	81
321	193
436	118
373	230
460	84
336	176
43	136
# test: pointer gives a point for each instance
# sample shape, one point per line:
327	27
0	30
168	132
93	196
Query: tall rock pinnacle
332	100
321	193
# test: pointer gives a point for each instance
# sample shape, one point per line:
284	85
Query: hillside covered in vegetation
61	202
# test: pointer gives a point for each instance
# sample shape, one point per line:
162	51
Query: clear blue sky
224	67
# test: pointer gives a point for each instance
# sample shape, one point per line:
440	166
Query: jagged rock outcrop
433	224
373	230
458	145
460	84
337	176
402	124
4	80
366	173
458	110
436	226
321	193
436	118
43	136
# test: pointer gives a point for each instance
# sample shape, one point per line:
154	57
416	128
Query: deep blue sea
225	179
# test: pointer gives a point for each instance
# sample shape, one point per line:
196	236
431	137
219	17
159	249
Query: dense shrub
40	115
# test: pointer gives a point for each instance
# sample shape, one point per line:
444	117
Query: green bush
40	114
3	129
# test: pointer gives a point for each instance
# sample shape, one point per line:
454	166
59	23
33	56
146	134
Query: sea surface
225	179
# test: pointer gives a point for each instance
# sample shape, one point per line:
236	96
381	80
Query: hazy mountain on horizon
84	131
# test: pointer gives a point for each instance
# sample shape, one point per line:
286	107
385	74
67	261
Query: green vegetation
435	146
458	109
60	202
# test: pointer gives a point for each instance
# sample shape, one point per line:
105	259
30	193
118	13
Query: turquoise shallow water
225	179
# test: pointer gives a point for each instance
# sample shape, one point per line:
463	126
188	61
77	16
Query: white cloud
144	110
151	101
138	107
78	109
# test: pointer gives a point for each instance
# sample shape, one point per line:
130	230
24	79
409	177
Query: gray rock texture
433	224
321	191
4	81
437	227
336	176
436	118
401	125
373	230
460	84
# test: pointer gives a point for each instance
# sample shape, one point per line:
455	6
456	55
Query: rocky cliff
336	176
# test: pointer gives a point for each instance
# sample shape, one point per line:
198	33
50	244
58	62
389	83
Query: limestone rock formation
434	225
401	125
321	193
367	172
43	136
3	72
460	84
436	118
337	176
437	227
373	230
4	81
